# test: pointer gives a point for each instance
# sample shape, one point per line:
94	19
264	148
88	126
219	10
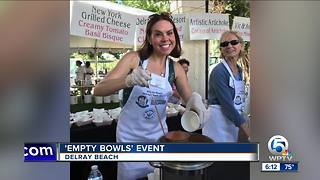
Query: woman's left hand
244	133
195	104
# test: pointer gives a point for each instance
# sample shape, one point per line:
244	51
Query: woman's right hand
139	77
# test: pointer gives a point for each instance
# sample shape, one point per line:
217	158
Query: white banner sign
141	29
88	20
207	25
180	20
242	25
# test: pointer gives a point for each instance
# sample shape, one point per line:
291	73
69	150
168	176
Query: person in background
185	64
88	76
88	73
79	73
226	96
176	98
146	76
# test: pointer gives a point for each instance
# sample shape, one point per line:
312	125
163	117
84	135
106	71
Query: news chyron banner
140	152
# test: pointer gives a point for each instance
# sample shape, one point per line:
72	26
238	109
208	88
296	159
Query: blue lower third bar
156	147
289	167
40	152
159	151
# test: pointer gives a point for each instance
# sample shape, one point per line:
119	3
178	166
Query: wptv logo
279	147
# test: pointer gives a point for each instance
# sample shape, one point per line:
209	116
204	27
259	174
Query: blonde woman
226	96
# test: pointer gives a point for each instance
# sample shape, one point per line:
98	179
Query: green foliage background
149	5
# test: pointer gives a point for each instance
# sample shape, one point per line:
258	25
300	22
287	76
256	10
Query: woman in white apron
227	93
79	73
88	74
147	89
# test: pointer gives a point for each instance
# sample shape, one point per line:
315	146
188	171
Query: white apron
138	122
218	126
87	77
79	74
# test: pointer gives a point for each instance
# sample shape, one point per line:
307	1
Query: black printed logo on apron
142	101
149	114
237	100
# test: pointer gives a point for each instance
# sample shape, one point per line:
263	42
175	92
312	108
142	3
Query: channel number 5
278	145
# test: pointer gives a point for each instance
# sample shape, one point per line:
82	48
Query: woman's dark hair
146	49
78	63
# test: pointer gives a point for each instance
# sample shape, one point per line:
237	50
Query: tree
156	6
233	8
238	8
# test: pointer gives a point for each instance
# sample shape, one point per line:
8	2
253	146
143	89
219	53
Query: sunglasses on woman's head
232	42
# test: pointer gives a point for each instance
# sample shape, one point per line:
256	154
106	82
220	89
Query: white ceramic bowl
190	121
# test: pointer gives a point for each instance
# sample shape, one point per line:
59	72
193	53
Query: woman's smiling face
230	51
162	38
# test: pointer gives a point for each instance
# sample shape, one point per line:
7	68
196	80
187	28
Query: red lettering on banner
88	25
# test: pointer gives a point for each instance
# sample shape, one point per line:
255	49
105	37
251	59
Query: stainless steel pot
183	170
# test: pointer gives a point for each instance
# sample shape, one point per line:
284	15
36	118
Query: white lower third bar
158	156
